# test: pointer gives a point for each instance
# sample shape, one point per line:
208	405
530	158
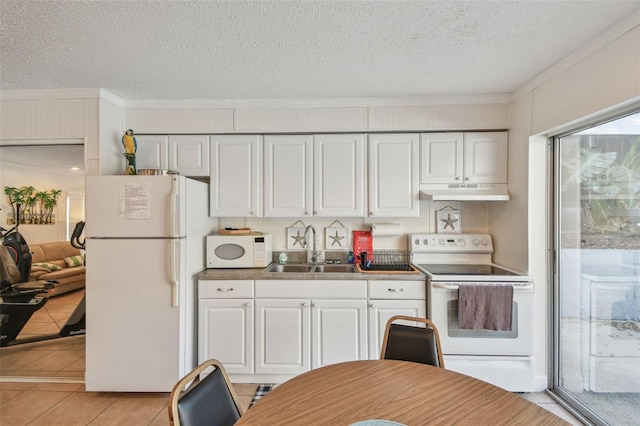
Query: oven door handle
516	286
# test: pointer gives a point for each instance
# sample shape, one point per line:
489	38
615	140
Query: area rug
260	392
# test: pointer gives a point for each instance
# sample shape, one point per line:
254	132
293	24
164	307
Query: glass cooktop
453	269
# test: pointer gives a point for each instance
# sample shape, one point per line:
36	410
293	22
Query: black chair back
208	400
407	343
208	403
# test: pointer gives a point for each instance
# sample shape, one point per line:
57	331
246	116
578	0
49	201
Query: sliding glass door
597	285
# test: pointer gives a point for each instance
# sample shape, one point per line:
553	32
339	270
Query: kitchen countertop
260	274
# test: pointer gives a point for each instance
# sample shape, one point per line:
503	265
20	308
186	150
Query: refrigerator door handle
173	206
175	267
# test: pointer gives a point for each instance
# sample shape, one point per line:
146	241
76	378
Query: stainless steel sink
321	269
336	269
291	268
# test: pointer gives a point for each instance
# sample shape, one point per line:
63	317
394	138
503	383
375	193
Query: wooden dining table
408	393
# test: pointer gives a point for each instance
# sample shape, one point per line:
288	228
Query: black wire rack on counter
386	260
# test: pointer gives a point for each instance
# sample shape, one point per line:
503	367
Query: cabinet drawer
225	289
311	289
397	290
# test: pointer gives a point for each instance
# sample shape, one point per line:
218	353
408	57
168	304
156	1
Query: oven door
443	304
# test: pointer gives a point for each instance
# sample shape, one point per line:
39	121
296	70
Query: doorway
596	350
45	165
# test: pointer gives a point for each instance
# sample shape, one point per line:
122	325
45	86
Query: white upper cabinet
441	156
463	158
288	175
393	175
152	152
235	176
338	175
189	154
185	154
321	175
485	157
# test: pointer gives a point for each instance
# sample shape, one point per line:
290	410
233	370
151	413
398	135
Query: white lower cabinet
389	298
339	331
302	325
226	324
282	336
271	330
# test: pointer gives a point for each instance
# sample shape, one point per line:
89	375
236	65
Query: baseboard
540	383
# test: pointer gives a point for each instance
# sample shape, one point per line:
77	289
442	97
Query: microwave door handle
173	273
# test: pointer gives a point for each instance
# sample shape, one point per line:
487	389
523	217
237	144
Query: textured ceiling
292	49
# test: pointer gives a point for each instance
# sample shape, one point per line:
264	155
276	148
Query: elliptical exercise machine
21	298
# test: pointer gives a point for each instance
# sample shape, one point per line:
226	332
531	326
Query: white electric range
503	358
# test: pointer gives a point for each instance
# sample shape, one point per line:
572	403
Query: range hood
468	192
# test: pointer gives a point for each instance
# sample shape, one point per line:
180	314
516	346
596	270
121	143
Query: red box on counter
362	243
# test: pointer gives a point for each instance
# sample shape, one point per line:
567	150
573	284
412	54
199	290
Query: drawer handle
395	290
247	304
225	289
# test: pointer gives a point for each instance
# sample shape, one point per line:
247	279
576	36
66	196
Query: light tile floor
68	404
45	402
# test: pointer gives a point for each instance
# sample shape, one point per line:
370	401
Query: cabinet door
338	331
235	176
485	157
225	332
288	162
189	154
441	157
379	313
393	175
283	336
152	152
338	170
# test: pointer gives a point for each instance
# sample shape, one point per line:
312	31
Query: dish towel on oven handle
485	307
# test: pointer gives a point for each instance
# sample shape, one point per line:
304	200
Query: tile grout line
50	408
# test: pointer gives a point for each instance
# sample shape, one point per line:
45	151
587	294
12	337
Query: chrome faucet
314	253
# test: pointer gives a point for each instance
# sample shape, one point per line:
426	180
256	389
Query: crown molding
315	103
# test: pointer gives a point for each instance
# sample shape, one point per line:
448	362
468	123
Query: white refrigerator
145	239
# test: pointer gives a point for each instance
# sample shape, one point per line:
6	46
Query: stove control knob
485	242
425	242
476	242
417	242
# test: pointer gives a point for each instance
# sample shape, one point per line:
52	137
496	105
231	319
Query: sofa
58	261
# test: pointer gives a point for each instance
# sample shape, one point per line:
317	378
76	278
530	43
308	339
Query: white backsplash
474	220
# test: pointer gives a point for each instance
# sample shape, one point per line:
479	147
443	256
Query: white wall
93	116
603	82
50	114
107	158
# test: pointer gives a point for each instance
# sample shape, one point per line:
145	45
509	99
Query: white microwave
239	251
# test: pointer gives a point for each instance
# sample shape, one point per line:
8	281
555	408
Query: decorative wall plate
448	220
295	236
336	238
